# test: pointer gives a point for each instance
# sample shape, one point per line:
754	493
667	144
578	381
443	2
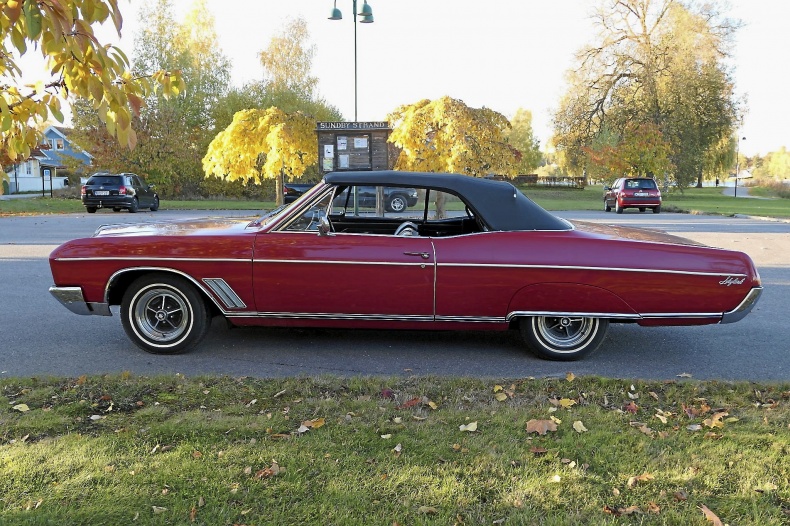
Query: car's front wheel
164	314
563	338
606	207
155	204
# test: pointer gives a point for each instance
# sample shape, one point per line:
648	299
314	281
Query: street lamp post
366	17
737	162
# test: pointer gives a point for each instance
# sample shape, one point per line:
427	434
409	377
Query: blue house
39	172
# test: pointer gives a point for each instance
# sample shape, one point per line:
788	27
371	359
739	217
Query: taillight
122	190
83	191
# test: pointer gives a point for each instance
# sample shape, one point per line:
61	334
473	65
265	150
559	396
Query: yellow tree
261	144
446	135
77	64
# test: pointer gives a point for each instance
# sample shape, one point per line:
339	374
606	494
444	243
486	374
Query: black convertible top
499	203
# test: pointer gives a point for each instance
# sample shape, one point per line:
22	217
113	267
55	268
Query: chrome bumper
744	308
72	299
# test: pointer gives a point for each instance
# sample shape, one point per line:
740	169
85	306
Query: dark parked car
118	191
472	254
632	192
293	191
395	199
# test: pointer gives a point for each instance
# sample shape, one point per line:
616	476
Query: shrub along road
40	337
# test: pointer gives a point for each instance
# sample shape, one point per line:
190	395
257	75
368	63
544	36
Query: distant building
39	172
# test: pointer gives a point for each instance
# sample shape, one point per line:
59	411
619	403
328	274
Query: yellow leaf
501	397
579	427
570	377
22	408
427	510
498	388
470	427
567	402
712	517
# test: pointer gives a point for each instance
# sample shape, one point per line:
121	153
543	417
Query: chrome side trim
139	258
340	262
472	319
609	315
744	308
225	293
332	316
72	299
575	267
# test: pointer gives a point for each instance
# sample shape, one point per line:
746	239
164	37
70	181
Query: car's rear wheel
90	209
164	314
563	338
134	206
606	207
617	207
657	210
155	205
397	203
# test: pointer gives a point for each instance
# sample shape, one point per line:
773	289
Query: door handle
423	255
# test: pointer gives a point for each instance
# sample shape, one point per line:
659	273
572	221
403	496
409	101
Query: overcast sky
502	54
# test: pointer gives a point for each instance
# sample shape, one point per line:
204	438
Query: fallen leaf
570	377
710	516
498	388
681	496
652	507
409	403
398	449
158	509
716	420
644	477
385	437
538	450
541	427
661	417
428	510
22	408
388	394
631	407
579	427
567	403
470	427
694	427
501	397
684	375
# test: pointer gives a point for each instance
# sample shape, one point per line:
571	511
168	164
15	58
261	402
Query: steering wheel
407	229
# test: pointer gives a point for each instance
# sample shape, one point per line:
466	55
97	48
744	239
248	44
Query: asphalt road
39	337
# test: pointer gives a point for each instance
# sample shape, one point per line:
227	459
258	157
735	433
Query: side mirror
607	188
324	227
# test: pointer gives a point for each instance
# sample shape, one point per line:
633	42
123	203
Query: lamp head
336	14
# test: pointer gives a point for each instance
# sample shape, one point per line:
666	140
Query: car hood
185	227
632	234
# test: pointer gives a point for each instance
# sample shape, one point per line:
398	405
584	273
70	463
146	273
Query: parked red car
632	192
471	254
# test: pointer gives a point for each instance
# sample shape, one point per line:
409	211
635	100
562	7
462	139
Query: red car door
343	276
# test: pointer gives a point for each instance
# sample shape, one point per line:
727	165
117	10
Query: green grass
172	450
691	200
46	205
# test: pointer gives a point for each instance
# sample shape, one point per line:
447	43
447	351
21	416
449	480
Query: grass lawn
692	200
561	451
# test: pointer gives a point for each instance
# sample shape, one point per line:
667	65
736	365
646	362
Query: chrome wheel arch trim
204	288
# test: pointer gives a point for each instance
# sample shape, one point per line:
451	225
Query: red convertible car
472	254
